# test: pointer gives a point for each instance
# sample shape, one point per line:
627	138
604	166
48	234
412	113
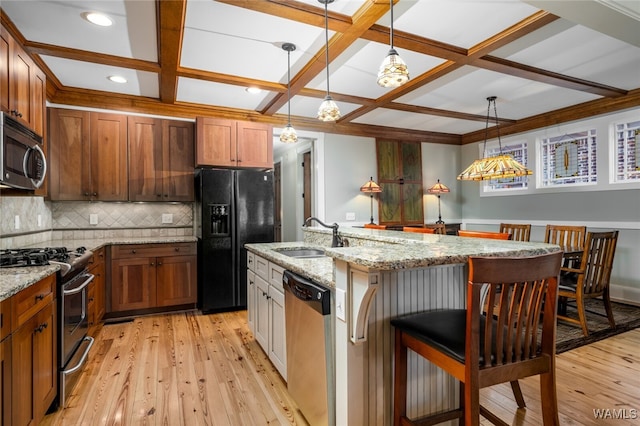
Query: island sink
301	252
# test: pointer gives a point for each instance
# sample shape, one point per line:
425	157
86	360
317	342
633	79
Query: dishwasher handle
313	294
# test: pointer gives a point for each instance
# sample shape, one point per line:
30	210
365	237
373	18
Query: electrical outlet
16	222
341	308
167	218
93	219
351	216
39	220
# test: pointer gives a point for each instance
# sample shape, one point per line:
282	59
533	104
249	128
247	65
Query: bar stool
484	350
519	232
485	234
374	226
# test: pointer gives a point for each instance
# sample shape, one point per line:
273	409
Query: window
518	150
627	153
569	159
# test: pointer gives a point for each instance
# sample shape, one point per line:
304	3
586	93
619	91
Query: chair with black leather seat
518	341
519	232
590	279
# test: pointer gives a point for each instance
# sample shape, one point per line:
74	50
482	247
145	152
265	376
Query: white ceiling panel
217	94
409	120
87	75
132	35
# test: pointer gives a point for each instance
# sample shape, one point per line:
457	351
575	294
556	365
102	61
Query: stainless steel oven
74	341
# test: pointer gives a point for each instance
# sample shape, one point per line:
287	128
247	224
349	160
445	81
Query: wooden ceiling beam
170	21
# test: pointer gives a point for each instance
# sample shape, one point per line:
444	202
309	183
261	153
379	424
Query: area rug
570	336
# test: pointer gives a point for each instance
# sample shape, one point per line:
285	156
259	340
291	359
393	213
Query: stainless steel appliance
22	161
234	207
310	363
73	279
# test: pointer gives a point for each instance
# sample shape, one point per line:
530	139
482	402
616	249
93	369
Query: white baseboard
622	294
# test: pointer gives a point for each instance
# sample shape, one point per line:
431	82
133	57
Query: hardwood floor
193	369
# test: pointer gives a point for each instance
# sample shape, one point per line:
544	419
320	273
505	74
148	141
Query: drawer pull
41	327
39	297
177	248
250	282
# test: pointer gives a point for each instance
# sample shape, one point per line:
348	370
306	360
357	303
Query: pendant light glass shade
499	166
328	110
393	72
289	134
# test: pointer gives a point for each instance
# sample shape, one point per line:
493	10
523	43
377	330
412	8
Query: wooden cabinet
87	156
230	143
34	368
145	276
5	362
266	310
161	155
22	84
96	291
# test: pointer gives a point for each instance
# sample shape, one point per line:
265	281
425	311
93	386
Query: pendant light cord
495	111
289	87
391	27
326	39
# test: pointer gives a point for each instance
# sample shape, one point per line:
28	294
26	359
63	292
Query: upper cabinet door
178	160
5	59
255	145
216	142
109	176
145	158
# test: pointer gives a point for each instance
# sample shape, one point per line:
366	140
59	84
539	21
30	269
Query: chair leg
549	398
517	394
399	380
607	306
471	405
581	314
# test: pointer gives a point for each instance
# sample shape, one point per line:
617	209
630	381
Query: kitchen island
381	275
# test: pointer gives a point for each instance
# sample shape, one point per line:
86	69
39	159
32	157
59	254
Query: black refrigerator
233	207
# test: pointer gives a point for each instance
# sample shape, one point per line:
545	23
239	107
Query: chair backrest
374	226
440	228
566	236
485	234
419	230
519	289
597	262
519	232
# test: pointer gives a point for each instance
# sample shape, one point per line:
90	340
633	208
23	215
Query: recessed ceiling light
98	19
117	79
253	90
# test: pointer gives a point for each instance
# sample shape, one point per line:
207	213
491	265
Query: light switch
341	308
351	216
93	219
16	222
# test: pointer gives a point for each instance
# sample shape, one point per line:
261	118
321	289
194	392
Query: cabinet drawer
275	276
5	318
251	261
152	250
29	301
262	268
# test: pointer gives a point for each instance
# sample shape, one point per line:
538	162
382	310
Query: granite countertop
391	250
13	280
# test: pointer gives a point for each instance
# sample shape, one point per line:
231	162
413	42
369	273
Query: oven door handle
83	359
81	287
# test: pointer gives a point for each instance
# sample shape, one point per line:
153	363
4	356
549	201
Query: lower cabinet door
5	381
133	284
176	282
277	333
262	313
251	300
45	360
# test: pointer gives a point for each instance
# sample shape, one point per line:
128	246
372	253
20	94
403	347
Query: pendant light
328	110
393	71
497	167
288	134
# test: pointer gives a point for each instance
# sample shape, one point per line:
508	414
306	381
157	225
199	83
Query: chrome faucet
337	240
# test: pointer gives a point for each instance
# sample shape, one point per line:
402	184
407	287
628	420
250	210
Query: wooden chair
419	230
566	236
519	232
485	234
481	350
374	226
590	279
440	228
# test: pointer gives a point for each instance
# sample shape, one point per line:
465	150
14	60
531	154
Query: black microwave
22	161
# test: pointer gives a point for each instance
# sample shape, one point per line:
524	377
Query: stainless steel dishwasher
310	372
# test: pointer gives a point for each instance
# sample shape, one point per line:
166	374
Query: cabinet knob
86	194
91	299
177	248
95	194
133	251
158	195
152	264
159	263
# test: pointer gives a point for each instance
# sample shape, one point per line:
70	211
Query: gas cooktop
67	259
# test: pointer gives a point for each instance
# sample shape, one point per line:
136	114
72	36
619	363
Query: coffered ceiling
547	62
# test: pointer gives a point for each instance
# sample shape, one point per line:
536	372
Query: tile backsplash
40	220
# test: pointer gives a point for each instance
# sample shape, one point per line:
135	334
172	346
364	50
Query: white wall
441	162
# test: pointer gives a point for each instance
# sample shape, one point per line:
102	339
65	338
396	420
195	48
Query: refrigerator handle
235	250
